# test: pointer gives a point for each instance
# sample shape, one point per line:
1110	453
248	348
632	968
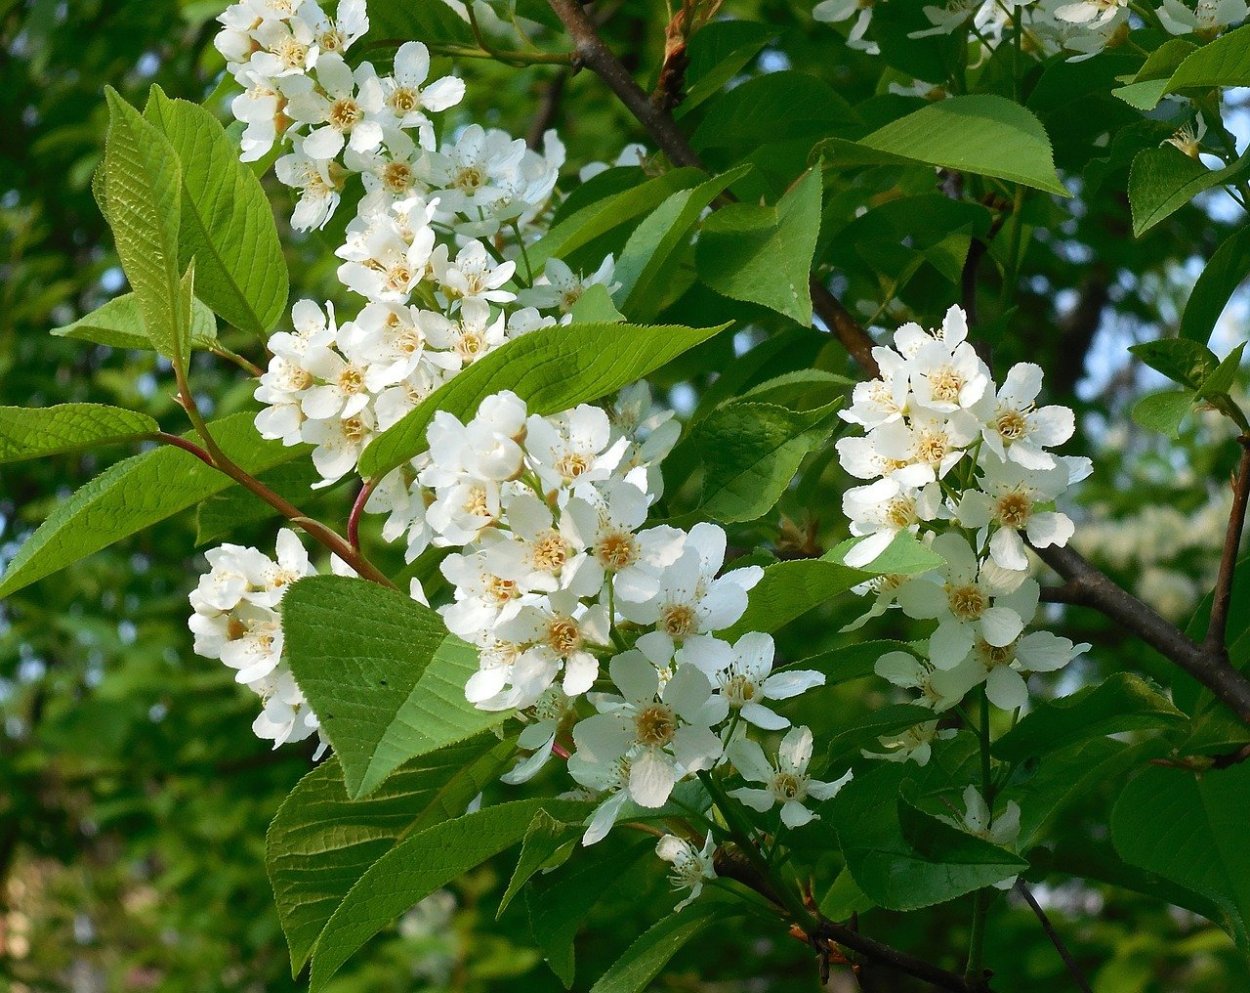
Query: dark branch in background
1222	598
548	109
1074	970
1089	587
733	865
1077	330
591	52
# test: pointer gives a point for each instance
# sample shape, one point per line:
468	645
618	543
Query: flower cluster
236	619
1081	28
436	249
966	464
591	624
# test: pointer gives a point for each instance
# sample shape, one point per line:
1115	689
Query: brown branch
732	865
591	52
1222	599
1074	970
548	109
1088	586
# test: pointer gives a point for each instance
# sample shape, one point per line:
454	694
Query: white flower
692	867
388	250
664	732
285	715
1003	830
320	183
883	399
1007	498
961	596
572	447
1015	429
1206	20
833	11
940	689
559	631
1091	12
259	107
690	600
881	511
916	743
405	94
351	21
560	288
786	782
337	443
345	113
1001	668
473	274
744	675
537	555
552	713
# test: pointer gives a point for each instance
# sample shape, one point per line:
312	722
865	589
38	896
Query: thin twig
548	109
358	508
892	957
1222	599
595	55
1074	970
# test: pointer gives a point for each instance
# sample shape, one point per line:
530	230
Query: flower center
901	512
678	620
469	179
617	551
572	464
345	114
354	429
992	657
1011	424
967	602
475	504
563	636
550	551
945	384
292	53
330	40
740	690
1014	509
469	345
397	177
500	590
787	785
931	446
351	380
655	726
404	100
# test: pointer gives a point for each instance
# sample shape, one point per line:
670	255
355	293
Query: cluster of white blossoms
594	627
236	619
1081	28
965	464
436	249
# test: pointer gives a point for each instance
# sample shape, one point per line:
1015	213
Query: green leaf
790	589
547	843
942	842
888	869
1181	360
598	218
143	179
1191	830
227	224
1224	272
135	493
718	53
321	841
844	898
644	267
559	903
764	254
382	673
1122	702
841	665
1223	62
1163	180
773	107
595	306
551	369
983	134
1163	412
1151	81
799	390
419	865
849	737
119	324
1224	376
643	960
749	453
31	433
